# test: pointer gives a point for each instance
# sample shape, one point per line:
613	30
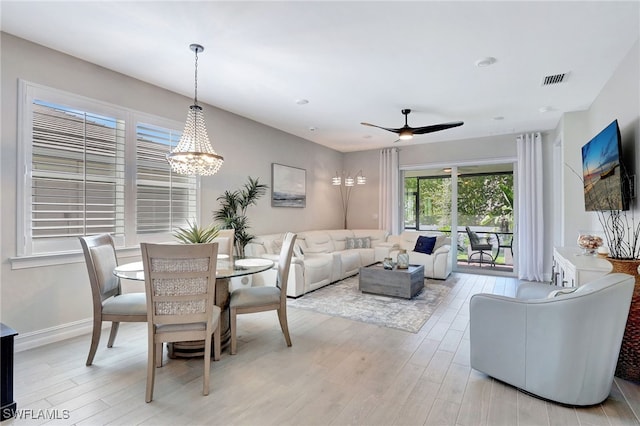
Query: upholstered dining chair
180	283
480	247
559	343
266	298
225	240
109	303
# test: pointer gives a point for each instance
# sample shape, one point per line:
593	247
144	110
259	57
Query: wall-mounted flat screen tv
602	171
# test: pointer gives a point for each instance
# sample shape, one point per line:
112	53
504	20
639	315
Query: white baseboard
34	339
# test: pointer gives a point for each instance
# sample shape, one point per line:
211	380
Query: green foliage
482	199
486	198
232	213
194	234
435	202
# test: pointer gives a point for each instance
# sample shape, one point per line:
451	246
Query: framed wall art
288	186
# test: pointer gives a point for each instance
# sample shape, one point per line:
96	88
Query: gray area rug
343	299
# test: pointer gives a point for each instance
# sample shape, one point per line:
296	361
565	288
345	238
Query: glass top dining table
226	267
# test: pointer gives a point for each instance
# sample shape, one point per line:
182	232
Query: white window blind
77	182
164	200
89	167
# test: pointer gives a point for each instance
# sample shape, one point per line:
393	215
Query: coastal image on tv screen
601	171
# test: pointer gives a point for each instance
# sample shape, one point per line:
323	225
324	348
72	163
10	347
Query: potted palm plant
232	213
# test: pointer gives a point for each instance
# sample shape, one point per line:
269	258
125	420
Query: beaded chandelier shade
194	154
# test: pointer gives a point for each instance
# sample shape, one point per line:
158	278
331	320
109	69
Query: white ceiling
353	61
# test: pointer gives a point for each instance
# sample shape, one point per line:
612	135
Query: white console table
572	269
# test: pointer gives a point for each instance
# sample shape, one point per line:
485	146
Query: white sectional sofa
438	264
322	257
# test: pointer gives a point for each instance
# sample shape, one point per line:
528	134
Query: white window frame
27	92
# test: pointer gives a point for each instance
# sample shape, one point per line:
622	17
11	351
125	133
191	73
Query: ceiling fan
407	132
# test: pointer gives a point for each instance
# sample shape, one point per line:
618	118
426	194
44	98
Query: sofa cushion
358	243
377	236
317	242
440	241
425	244
276	246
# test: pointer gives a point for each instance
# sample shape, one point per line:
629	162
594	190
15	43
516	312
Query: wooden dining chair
180	283
109	303
267	298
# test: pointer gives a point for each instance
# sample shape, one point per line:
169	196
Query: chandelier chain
195	99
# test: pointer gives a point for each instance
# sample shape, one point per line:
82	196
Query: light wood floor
338	372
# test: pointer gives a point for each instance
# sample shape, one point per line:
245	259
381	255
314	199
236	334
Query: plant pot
628	367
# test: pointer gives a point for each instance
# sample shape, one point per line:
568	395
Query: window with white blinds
77	173
89	168
164	200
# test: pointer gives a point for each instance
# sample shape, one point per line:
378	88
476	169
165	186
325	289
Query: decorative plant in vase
622	237
621	233
232	213
194	234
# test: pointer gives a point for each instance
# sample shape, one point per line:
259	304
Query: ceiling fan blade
436	127
383	128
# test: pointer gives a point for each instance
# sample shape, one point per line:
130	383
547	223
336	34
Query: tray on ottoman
392	282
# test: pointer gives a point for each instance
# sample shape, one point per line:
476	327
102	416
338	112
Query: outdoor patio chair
480	248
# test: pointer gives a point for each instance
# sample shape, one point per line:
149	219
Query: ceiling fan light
406	134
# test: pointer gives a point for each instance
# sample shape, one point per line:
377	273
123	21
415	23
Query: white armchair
558	343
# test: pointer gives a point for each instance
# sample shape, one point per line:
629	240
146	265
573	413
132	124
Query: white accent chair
558	343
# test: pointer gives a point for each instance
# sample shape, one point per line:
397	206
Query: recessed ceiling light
485	62
313	128
545	109
498	118
302	101
366	137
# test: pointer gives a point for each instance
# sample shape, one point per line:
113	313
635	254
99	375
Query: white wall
619	99
57	298
363	206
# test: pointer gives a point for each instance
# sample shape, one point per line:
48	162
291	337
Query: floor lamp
346	183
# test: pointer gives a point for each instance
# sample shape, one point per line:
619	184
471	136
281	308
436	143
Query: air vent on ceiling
554	79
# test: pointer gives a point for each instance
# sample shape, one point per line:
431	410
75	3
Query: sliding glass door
467	202
427	202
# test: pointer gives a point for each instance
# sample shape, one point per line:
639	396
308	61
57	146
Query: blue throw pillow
425	245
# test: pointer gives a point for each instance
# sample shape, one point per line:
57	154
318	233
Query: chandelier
346	182
194	155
